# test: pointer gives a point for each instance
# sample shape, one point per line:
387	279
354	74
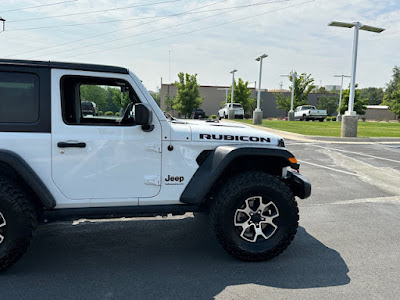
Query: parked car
238	108
198	113
309	112
89	108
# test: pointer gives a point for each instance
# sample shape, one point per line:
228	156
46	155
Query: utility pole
169	66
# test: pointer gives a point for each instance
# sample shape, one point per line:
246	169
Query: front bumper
300	186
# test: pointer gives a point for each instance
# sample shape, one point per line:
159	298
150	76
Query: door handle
71	145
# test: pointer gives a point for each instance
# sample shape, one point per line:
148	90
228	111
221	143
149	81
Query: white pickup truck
309	112
237	107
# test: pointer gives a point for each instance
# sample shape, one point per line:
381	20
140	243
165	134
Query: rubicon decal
174	180
227	137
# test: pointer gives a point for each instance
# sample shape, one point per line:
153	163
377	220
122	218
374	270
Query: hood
226	133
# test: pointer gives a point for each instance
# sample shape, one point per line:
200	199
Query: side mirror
143	116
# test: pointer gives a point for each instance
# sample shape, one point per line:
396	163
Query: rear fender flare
22	169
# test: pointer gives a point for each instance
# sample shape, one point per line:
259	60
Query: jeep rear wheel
18	221
254	216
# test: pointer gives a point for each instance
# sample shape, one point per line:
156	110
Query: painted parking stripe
358	153
329	168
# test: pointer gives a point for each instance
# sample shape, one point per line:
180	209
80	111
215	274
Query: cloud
294	35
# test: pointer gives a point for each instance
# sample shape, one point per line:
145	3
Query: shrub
100	113
213	117
328	119
117	114
333	118
109	113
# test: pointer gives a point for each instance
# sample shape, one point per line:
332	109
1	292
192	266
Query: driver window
97	101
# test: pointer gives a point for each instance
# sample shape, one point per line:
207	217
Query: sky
160	38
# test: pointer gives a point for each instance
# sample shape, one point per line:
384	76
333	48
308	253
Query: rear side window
19	97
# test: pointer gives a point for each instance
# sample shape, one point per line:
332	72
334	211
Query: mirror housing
143	116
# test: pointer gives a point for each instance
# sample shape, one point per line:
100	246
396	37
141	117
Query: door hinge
153	147
152	180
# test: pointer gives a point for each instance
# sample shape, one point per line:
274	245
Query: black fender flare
215	164
22	169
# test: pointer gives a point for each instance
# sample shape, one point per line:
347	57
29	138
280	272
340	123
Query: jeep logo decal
174	180
227	137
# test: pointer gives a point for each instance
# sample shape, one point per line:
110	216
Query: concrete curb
326	139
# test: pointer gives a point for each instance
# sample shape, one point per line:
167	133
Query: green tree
359	103
242	95
304	84
328	102
394	103
96	94
391	97
169	102
187	95
373	95
156	96
393	84
116	99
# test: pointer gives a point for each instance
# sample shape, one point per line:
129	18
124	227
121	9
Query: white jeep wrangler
58	163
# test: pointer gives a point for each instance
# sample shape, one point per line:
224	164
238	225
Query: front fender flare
217	161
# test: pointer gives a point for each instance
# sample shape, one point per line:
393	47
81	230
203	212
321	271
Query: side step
69	214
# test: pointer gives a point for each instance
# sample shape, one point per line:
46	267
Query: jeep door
102	158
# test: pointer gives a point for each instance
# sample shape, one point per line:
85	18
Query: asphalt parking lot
347	245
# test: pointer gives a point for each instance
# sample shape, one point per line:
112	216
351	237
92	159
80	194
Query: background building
215	95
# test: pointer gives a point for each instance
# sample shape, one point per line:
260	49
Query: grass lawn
365	129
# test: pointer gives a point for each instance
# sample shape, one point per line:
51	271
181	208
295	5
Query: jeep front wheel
254	216
18	221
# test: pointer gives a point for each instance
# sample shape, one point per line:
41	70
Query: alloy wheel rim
255	220
3	224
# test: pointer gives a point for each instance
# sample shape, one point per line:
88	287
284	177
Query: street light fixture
231	111
291	112
349	124
339	118
257	114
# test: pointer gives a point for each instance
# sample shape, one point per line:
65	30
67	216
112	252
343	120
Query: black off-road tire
233	195
21	220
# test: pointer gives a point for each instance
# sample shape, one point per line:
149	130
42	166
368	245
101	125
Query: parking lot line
329	168
358	153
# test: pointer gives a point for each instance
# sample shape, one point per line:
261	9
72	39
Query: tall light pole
4	23
291	112
257	113
339	117
350	119
231	111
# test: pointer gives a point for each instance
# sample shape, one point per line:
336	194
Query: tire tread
229	191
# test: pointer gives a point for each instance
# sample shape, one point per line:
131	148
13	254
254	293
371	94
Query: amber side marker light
293	160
